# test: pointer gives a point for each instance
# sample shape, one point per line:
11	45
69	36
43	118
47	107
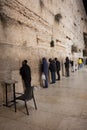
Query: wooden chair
28	95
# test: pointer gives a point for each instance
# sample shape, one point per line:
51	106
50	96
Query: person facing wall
57	68
52	68
25	73
44	69
67	66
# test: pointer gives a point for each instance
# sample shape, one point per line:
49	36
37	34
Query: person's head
50	60
24	62
67	58
55	59
43	59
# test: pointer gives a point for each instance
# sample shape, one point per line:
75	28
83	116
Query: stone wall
27	28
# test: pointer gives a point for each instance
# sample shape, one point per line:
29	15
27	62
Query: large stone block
28	27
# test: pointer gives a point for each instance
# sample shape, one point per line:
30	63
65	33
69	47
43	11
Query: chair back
28	93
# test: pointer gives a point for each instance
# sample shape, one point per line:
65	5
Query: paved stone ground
62	106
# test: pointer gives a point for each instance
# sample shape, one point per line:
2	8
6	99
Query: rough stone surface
62	106
27	28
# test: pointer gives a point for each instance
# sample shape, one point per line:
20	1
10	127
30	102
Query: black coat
58	65
25	72
52	66
67	63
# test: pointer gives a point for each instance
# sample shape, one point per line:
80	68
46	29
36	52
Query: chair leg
34	103
26	107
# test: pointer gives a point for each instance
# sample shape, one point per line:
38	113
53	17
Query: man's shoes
45	87
57	79
53	83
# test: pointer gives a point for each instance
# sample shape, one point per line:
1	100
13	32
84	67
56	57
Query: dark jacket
58	65
25	72
67	62
44	66
52	66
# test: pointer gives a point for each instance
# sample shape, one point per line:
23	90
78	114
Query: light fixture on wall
52	43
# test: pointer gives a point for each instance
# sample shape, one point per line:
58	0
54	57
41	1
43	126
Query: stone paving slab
62	106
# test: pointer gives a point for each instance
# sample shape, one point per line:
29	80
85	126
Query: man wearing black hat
57	68
25	73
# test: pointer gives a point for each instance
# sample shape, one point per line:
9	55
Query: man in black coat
25	73
67	62
57	68
52	69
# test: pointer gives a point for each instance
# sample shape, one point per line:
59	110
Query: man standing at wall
25	73
52	69
67	62
45	71
57	68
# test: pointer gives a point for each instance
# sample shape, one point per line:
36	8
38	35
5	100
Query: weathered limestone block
26	30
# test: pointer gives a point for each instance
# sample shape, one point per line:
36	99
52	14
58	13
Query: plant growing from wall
68	38
58	17
74	48
41	3
3	19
